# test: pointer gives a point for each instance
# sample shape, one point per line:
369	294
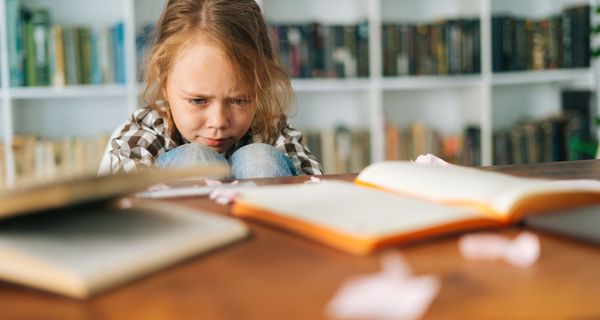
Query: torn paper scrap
224	196
313	179
431	159
390	294
522	251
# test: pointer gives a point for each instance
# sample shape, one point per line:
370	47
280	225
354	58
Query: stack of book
44	54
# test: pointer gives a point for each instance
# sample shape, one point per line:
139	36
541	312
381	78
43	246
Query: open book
71	238
398	201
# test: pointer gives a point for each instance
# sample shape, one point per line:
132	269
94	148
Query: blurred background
476	82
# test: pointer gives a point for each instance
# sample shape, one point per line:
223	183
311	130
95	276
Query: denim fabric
256	160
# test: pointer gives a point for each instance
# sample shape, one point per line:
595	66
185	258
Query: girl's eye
239	101
198	101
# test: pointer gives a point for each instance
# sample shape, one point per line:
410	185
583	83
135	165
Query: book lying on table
398	201
75	238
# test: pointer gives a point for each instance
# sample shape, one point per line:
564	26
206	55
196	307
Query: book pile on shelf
42	53
340	149
418	139
441	48
560	41
570	135
40	160
314	50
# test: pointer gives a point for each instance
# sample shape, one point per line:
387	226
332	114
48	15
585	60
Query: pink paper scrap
522	251
392	293
431	159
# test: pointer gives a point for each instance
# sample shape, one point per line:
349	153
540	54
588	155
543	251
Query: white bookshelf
447	103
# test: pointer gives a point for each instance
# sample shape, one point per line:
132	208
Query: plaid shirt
145	136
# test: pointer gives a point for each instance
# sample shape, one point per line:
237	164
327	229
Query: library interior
501	95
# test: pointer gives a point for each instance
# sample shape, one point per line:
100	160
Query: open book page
497	194
351	217
84	249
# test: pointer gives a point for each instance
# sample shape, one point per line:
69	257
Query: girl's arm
290	142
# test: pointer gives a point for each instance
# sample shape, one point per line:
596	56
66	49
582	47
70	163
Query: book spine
85	55
14	33
118	42
40	28
72	58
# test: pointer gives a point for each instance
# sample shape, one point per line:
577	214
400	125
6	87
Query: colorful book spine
40	28
118	42
72	59
14	33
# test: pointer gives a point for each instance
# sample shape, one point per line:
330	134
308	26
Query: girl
213	93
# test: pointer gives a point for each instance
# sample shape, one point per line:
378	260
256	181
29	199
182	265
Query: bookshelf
449	103
489	100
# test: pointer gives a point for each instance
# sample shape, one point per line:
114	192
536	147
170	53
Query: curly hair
238	28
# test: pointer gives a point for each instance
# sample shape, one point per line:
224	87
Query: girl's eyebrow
195	94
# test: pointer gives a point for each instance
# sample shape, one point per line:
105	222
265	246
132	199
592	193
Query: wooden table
276	275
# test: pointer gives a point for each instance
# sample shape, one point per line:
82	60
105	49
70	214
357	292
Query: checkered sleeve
136	145
290	142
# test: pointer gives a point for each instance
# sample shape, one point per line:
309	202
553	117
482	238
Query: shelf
76	91
542	76
329	85
430	82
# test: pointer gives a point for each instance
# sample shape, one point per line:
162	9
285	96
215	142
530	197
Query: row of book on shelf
453	46
40	160
570	135
440	48
42	53
315	50
559	41
417	138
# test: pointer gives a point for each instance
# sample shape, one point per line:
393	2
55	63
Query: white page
458	183
352	209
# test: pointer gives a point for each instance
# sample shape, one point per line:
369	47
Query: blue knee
259	160
187	155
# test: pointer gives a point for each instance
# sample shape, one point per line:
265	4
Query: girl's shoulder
148	118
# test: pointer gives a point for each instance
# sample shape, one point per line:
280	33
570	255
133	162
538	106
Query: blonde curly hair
238	28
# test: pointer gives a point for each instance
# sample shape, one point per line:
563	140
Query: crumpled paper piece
313	179
390	294
431	159
225	195
522	251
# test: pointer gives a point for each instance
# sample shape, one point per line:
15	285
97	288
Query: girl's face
208	102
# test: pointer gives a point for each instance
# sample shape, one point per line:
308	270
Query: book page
494	192
93	247
353	210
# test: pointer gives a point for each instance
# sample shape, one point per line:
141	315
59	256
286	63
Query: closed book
71	238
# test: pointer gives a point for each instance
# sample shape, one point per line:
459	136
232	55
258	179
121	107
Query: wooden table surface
276	275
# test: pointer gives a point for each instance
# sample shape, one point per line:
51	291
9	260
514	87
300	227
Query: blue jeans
256	160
